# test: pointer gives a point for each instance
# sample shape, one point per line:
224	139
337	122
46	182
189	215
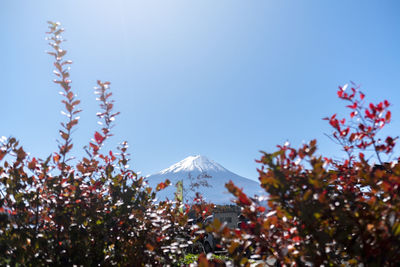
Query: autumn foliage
326	212
90	212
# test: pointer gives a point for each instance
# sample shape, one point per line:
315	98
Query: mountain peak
194	163
195	166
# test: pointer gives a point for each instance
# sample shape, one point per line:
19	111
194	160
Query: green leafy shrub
95	212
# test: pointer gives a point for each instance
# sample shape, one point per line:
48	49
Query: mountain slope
194	166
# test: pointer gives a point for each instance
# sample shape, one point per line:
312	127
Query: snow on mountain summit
195	166
194	163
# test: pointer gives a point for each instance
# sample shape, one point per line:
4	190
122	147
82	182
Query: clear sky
221	78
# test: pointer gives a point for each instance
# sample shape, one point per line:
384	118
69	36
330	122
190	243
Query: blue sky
222	78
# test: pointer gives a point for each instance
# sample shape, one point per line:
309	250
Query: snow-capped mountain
192	167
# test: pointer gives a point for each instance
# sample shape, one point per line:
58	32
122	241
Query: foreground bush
95	212
325	212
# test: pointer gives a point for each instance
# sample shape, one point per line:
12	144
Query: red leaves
243	199
94	147
202	261
345	132
64	135
98	137
370	119
58	200
236	191
76	102
353	137
292	154
112	156
296	239
149	247
163	185
12	212
261	209
32	164
334	122
354	106
56	158
21	154
345	96
390	143
388	116
72	124
372	106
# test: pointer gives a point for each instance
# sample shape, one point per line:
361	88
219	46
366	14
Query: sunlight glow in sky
224	78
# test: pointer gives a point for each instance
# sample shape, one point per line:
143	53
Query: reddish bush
97	212
323	211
